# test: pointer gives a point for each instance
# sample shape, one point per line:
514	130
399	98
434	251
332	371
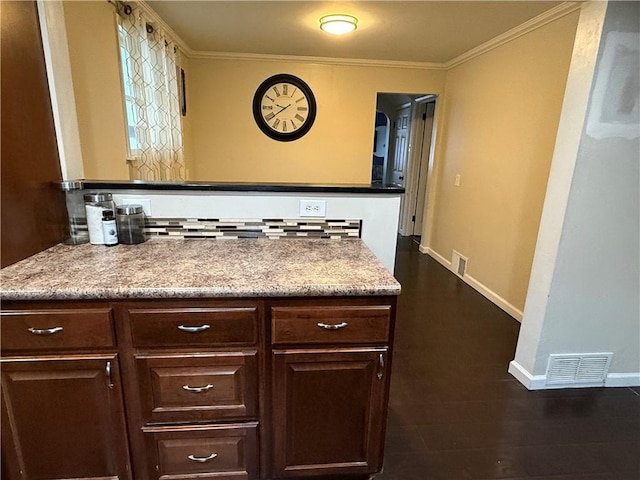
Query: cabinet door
328	411
63	418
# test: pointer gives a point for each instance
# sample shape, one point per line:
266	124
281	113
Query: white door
401	146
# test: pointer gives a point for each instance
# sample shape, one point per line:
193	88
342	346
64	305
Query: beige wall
93	52
498	120
228	146
501	113
222	141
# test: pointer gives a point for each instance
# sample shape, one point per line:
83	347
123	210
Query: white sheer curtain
149	65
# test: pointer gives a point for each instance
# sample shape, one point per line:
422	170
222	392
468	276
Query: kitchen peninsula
173	359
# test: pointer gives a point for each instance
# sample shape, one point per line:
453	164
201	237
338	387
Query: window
149	61
129	97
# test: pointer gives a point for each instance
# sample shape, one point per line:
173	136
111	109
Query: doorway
408	160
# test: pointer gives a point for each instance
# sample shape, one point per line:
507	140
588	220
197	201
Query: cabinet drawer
226	452
194	327
59	329
211	387
330	325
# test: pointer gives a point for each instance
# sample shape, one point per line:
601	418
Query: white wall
585	286
379	213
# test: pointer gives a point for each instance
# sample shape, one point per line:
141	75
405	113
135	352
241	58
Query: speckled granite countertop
199	268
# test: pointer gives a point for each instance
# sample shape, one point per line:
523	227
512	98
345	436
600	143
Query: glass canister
130	220
73	193
94	204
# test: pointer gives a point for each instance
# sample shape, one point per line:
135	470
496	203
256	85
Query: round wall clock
284	107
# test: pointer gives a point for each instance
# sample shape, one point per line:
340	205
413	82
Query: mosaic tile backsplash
252	228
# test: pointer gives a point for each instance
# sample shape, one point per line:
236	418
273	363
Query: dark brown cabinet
330	385
227	389
63	417
220	452
212	386
194	384
329	411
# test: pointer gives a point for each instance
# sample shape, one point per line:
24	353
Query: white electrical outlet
457	180
313	208
145	202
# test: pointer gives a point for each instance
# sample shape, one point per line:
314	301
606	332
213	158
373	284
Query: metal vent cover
578	369
459	264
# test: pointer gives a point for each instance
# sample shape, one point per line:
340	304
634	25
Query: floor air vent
571	370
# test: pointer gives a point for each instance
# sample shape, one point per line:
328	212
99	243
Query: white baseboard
494	297
532	382
435	255
476	285
538	382
623	380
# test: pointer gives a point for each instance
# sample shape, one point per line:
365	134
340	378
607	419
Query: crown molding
549	16
353	62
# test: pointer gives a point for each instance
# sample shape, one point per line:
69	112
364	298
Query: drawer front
59	329
194	327
211	387
224	452
330	325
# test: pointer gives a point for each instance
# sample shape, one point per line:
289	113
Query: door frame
392	140
419	159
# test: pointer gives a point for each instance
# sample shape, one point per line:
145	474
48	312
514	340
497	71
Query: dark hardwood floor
456	414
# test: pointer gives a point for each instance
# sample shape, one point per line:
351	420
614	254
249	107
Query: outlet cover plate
313	208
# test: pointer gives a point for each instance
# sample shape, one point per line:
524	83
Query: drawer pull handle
193	458
197	389
45	331
201	328
337	326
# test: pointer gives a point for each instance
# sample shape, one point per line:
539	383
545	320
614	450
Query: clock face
284	107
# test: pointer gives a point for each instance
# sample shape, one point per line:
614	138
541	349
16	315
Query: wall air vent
577	370
459	264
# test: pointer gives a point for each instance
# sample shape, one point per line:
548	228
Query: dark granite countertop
111	185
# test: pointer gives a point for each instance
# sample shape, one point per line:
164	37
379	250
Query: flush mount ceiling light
338	24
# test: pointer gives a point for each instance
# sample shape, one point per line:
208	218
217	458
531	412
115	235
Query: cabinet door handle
109	379
45	331
197	389
193	458
201	328
337	326
380	367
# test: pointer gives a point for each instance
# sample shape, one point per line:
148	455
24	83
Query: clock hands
281	109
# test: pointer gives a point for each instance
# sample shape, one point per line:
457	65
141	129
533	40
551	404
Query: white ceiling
404	31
